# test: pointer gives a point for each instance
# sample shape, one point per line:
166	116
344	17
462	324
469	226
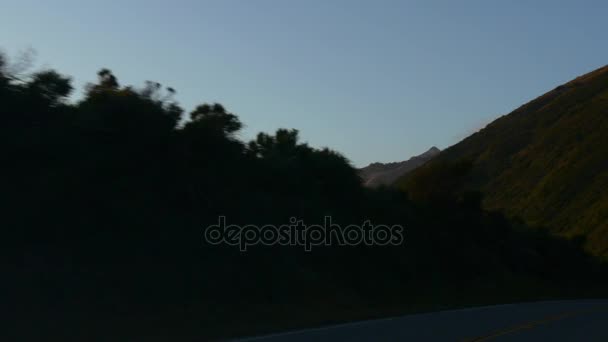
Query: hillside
377	174
547	161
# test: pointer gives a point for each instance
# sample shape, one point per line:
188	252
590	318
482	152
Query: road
576	320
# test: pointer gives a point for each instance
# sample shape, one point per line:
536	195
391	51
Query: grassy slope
547	161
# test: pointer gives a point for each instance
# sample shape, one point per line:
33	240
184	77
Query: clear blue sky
375	80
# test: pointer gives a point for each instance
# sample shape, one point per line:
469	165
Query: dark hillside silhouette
106	201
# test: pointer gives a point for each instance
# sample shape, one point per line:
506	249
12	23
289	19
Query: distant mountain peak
431	152
377	174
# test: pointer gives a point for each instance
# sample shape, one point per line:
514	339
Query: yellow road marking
531	325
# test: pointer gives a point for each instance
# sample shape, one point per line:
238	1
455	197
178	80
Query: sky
377	80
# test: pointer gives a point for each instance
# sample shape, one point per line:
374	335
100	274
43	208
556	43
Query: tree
50	86
107	79
214	119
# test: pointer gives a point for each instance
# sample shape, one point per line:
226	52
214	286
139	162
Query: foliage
107	199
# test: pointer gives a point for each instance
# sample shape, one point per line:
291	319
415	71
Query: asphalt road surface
576	320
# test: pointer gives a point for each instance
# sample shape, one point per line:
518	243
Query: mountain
546	162
377	174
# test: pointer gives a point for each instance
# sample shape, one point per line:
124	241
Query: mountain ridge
378	174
